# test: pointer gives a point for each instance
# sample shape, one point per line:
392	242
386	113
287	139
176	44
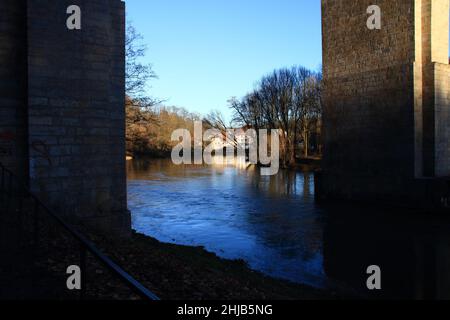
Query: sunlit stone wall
435	88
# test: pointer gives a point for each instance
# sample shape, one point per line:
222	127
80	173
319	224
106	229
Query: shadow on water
274	224
412	250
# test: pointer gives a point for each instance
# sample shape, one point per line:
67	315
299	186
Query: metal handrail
85	244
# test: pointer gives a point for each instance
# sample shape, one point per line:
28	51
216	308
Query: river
275	225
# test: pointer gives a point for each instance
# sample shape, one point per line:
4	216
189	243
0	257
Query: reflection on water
274	224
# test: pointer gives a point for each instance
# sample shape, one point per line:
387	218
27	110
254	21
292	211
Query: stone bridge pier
387	102
62	117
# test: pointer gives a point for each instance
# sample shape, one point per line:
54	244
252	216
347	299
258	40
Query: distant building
241	138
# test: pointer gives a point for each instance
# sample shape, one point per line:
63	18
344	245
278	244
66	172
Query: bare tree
216	120
288	100
137	74
138	104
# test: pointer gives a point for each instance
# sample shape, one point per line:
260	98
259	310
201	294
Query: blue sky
206	51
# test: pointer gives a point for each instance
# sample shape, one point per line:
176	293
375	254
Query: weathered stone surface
62	96
386	100
13	86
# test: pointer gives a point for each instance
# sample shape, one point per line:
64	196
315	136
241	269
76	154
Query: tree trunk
292	159
284	155
306	143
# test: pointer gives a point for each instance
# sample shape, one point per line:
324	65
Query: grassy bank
182	272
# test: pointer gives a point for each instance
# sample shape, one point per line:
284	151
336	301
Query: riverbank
301	164
176	272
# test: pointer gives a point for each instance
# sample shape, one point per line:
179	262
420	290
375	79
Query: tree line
149	130
288	99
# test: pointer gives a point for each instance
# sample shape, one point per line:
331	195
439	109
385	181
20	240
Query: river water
275	225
